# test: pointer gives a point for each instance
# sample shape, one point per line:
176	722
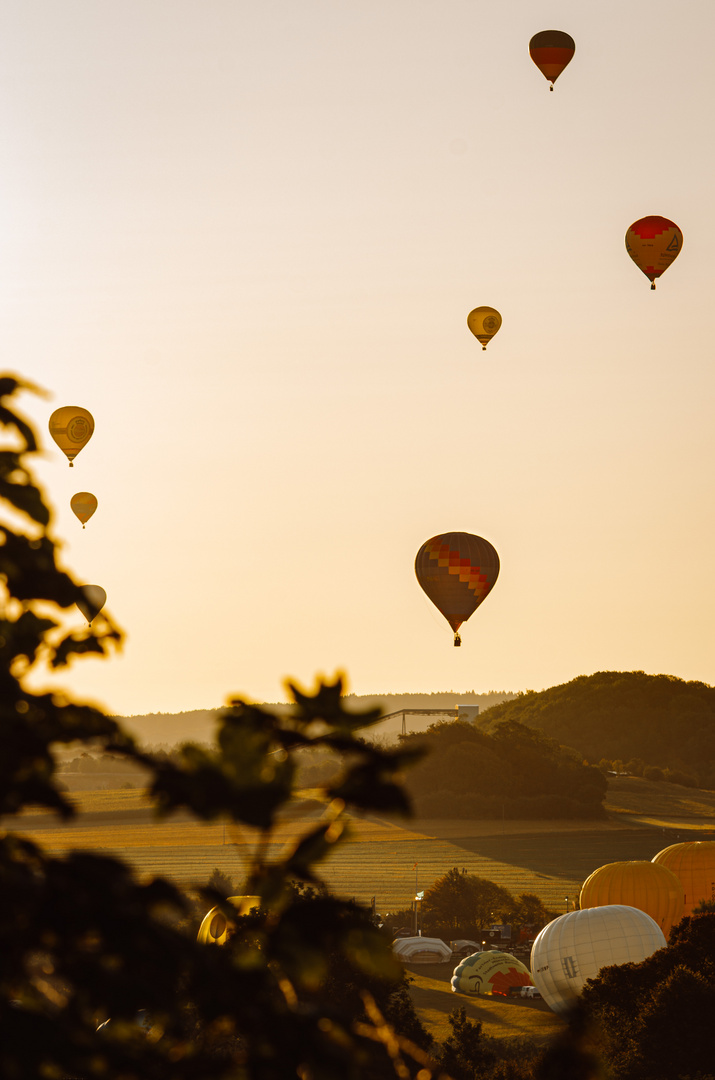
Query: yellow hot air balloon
484	322
83	505
653	243
92	601
639	884
215	928
71	427
693	863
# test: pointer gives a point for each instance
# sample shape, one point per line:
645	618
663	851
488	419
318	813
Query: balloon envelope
489	973
484	322
92	601
71	427
693	864
574	948
83	505
653	243
639	884
457	570
215	927
551	51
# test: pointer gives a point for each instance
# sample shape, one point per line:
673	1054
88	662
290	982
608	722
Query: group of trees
460	905
664	721
653	1020
513	771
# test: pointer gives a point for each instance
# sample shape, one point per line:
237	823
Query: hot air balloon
71	427
693	863
83	505
489	973
639	884
484	322
457	570
574	948
215	927
551	51
92	601
653	243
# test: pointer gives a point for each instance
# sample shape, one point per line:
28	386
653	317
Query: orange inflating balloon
484	322
693	863
83	505
92	601
551	51
457	571
71	427
640	884
653	243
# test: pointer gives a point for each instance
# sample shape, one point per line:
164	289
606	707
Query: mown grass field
516	1018
548	858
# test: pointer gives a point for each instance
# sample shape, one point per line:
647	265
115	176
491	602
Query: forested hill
155	729
624	715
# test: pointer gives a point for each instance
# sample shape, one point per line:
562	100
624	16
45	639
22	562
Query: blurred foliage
100	973
624	715
512	772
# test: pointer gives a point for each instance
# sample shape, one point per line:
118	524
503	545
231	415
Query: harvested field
550	859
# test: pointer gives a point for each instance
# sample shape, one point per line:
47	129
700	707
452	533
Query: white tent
421	950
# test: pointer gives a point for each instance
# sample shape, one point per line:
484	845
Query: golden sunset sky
247	236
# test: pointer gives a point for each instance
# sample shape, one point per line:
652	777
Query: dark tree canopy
663	720
513	771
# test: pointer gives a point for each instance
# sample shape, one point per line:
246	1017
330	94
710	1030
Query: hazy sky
247	236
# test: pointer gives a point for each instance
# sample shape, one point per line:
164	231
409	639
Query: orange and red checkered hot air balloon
457	571
551	51
653	243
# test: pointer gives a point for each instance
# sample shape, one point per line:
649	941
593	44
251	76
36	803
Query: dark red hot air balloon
551	51
457	570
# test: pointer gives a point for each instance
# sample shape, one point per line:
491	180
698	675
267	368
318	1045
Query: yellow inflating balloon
215	928
639	884
71	427
484	322
92	601
693	863
489	973
83	505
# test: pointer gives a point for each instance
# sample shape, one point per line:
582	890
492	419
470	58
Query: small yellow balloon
484	322
92	601
83	505
216	929
71	427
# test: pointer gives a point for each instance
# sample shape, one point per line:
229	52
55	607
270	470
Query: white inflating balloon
574	948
